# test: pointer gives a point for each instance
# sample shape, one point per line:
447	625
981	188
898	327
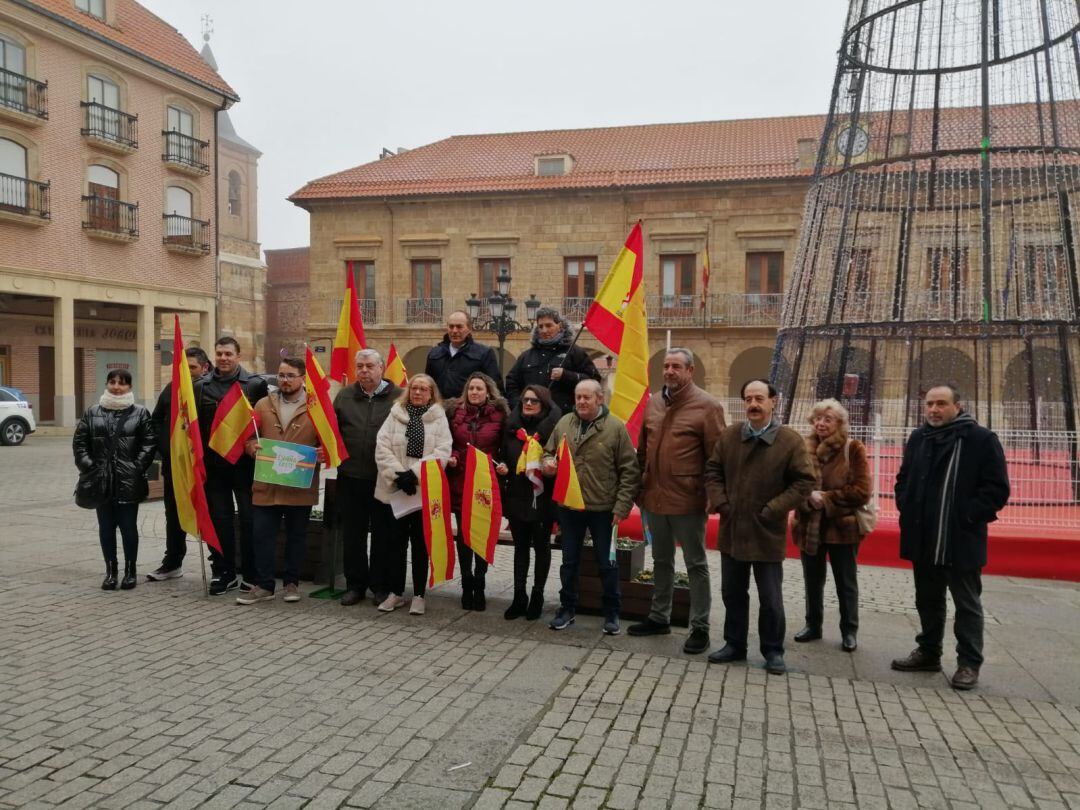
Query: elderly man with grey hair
361	409
678	434
553	361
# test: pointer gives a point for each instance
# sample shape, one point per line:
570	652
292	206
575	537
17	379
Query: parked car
16	417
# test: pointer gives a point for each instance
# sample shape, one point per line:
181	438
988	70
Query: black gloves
406	482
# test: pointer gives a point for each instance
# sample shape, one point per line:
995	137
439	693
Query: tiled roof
144	33
609	157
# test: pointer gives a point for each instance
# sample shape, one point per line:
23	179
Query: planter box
636	601
629	561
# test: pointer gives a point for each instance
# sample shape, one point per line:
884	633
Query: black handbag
94	487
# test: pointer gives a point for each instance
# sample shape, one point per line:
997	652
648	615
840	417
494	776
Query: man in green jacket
609	477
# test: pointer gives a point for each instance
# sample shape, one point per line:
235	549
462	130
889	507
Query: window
765	273
1044	277
550	166
580	274
181	121
103	117
946	269
234	193
178	217
13	174
489	271
103	186
857	300
677	280
427	279
364	273
12	60
95	8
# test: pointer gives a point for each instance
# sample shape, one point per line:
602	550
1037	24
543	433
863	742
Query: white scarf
112	402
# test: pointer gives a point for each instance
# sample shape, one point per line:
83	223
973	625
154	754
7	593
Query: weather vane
207	27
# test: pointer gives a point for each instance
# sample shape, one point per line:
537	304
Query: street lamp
503	312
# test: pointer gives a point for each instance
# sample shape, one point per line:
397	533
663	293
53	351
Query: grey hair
599	389
830	404
368	353
686	353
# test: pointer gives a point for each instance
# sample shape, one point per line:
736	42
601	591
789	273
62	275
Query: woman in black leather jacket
116	437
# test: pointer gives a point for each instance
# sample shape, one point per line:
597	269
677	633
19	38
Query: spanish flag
529	461
350	336
617	319
232	425
481	505
186	451
567	489
395	369
435	494
321	411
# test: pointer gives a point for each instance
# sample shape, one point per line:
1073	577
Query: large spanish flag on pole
567	489
617	319
435	495
350	336
232	425
186	451
395	369
481	505
321	411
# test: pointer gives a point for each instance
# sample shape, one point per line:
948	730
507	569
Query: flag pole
573	343
202	561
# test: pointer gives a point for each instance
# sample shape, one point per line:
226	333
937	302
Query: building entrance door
46	384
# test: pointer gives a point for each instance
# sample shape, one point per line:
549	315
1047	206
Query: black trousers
125	517
362	514
845	576
735	589
408	531
931	583
532	536
223	486
473	567
175	536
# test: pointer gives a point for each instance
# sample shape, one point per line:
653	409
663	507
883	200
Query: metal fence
369	310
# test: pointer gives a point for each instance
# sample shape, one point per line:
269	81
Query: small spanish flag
435	494
395	369
481	505
232	425
567	489
529	461
321	411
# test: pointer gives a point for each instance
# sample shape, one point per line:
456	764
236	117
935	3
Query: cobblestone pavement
162	697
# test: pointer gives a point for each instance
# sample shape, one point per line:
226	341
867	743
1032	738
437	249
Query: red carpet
1011	553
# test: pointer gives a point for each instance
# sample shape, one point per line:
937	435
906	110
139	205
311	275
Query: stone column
145	334
206	332
64	352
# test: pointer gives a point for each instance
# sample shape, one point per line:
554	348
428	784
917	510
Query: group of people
687	464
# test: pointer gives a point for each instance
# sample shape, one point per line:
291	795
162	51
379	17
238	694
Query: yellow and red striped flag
232	425
567	489
350	336
617	319
186	466
529	461
435	494
481	505
395	369
706	273
321	411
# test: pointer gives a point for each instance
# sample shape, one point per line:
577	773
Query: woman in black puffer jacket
116	439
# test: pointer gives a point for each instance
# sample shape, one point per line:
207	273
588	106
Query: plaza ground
160	697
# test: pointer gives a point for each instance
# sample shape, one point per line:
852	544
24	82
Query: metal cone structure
940	236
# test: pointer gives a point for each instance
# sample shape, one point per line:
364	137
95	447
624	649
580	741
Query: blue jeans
573	525
265	522
125	517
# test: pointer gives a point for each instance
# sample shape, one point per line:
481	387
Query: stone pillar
206	333
145	335
64	353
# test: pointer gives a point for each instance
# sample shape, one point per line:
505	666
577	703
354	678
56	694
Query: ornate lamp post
503	312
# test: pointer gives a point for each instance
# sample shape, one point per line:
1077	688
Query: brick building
108	200
287	294
426	228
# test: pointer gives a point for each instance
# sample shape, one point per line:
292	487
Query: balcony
185	153
745	309
574	309
22	200
675	310
369	310
23	99
186	235
106	218
422	311
109	128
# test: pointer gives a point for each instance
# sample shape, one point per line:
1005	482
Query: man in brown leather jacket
678	434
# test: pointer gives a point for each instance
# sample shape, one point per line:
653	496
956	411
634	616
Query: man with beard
552	362
952	483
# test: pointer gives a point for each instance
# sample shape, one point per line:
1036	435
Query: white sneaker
256	594
292	593
392	603
417	607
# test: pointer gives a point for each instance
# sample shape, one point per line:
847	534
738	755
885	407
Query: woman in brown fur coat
826	524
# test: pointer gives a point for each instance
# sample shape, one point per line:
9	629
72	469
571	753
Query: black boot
466	591
479	601
518	607
536	605
109	583
128	582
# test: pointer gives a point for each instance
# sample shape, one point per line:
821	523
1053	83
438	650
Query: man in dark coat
552	362
175	536
457	355
224	481
758	473
952	483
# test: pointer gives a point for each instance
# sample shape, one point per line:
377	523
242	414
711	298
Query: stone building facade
287	296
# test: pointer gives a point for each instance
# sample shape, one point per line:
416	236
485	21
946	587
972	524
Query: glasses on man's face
289	376
530	401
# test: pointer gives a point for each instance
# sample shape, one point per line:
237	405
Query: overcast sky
325	85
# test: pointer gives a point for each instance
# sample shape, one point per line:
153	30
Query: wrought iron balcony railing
186	151
186	234
423	310
21	196
110	216
111	126
369	310
23	94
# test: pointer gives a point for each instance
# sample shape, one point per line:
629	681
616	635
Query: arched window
103	185
177	214
13	174
234	193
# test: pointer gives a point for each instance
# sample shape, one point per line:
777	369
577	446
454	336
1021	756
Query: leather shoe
848	642
965	678
649	628
918	661
774	663
351	597
726	655
808	633
696	642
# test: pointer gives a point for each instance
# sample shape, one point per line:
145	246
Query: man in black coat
224	481
952	483
175	536
457	355
553	362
